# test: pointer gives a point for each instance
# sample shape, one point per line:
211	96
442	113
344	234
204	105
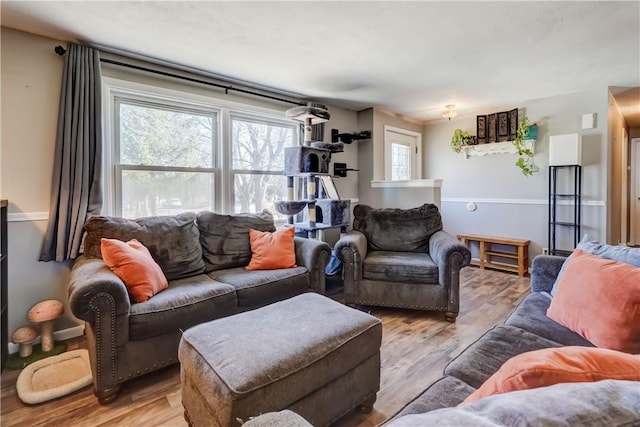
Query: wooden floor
416	346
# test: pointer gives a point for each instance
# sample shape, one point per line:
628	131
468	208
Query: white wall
31	82
616	123
371	153
345	121
509	203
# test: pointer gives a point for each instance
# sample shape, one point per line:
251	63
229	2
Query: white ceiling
412	58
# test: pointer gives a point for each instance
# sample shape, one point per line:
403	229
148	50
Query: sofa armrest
544	271
313	255
448	252
450	255
91	279
352	249
99	297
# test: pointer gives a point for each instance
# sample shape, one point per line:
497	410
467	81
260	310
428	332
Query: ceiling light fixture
449	112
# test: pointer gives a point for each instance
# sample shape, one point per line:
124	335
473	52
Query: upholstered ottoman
308	354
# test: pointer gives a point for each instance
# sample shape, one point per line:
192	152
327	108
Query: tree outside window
258	163
166	159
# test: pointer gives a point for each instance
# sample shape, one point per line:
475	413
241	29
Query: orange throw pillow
132	262
599	299
551	366
270	251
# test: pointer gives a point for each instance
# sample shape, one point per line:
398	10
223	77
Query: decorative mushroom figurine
24	336
45	312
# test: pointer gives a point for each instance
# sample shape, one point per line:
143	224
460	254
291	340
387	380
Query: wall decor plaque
503	126
481	129
513	124
491	128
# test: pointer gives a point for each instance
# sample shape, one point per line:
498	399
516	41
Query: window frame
259	119
115	91
119	167
415	152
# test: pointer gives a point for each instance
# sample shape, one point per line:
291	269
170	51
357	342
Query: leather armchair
402	258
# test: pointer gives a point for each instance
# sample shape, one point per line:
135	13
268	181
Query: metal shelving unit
573	183
4	336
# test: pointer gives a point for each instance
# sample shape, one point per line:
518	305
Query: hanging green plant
461	139
526	131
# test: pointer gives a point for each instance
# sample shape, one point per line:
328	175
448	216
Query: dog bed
54	377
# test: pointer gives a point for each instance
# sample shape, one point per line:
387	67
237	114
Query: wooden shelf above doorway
506	147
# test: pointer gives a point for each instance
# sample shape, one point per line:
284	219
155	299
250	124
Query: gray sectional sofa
204	259
526	329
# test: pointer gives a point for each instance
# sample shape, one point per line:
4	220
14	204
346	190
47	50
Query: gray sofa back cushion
400	230
485	356
174	241
225	238
601	403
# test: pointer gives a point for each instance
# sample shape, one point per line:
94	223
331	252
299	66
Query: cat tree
318	206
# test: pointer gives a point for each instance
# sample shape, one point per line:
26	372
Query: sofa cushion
132	263
549	366
174	241
485	356
225	238
255	288
401	230
603	403
185	303
530	315
272	250
407	267
623	254
609	288
444	393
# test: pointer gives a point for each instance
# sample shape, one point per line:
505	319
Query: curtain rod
61	51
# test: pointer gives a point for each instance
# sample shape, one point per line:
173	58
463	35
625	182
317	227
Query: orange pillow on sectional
132	262
270	251
551	366
600	300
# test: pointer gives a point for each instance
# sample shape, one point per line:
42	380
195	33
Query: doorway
635	193
624	189
402	154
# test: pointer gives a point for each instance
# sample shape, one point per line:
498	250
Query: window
402	154
175	152
258	162
400	161
165	159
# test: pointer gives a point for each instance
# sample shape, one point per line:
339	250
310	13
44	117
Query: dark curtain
76	193
317	132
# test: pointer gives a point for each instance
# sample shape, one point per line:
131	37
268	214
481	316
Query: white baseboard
61	335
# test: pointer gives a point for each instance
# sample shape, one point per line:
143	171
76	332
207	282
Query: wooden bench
521	253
